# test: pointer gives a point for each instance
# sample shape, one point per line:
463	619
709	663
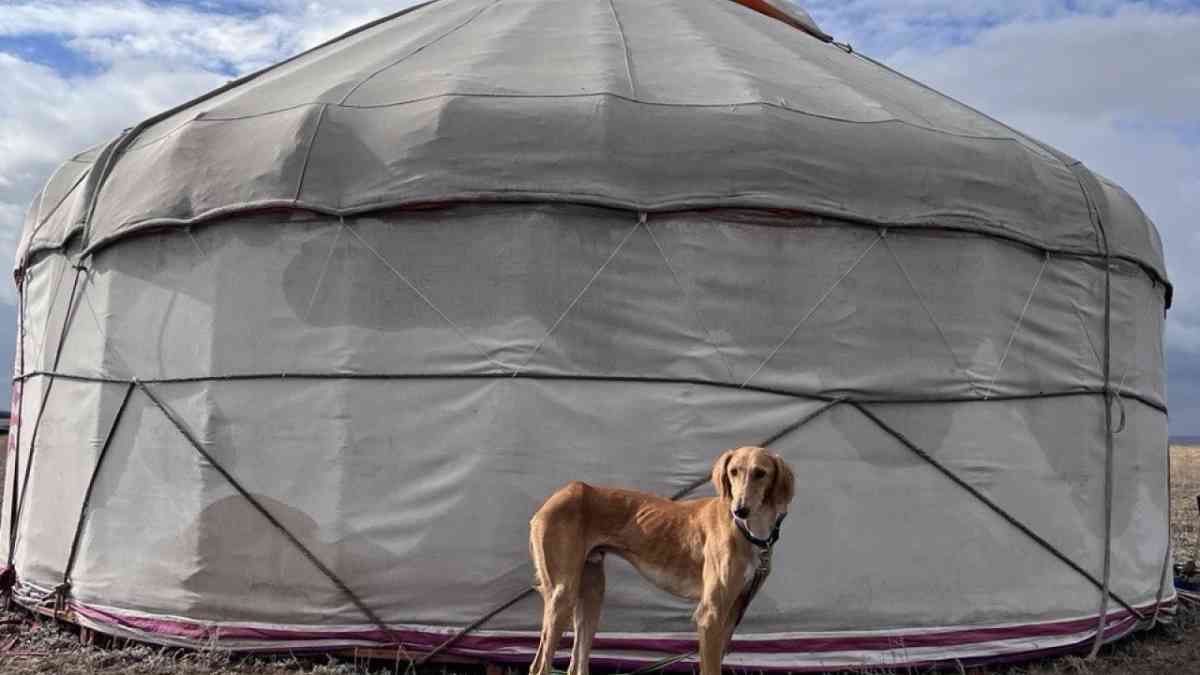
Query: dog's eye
733	472
757	474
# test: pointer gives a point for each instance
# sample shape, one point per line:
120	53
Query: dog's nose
741	512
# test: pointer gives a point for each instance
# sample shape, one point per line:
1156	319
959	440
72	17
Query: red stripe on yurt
493	643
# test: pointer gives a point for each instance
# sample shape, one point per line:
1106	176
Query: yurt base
405	659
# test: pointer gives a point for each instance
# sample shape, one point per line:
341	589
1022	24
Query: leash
766	547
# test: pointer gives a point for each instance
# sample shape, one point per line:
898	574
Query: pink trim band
519	648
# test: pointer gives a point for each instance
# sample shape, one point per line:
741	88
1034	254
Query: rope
685	491
820	301
993	506
991	388
1087	334
929	313
9	576
37	424
581	377
1083	176
233	482
337	236
416	51
625	49
596	275
691	305
195	242
87	494
399	275
473	625
1166	567
41	351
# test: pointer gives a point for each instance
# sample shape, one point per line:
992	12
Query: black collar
767	543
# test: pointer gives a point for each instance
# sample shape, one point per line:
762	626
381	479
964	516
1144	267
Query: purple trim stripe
493	644
1112	631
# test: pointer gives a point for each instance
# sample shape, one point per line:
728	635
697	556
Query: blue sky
1114	83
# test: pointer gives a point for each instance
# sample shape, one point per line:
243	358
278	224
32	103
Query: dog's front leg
713	620
711	626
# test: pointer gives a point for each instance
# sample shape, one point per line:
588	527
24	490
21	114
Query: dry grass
28	646
42	647
1185	487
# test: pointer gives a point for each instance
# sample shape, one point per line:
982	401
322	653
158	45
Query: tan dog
693	549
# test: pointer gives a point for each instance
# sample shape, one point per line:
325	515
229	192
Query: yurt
300	358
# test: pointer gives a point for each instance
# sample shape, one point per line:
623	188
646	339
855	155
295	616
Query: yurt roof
632	104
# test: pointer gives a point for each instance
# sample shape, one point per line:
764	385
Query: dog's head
751	479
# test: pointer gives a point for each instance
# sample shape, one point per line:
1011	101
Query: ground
37	646
1185	489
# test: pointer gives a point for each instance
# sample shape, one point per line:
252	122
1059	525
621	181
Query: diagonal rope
71	308
694	485
91	486
929	313
991	505
110	346
195	242
1137	335
80	290
190	437
43	347
41	221
625	49
820	301
691	305
325	268
641	221
685	491
418	50
400	275
1086	333
991	387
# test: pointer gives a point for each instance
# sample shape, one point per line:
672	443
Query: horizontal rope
796	218
627	379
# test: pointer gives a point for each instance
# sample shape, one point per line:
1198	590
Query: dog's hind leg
560	604
587	612
558	560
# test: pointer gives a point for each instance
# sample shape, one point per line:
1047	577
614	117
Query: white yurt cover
299	359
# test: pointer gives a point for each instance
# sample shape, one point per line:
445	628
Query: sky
1113	83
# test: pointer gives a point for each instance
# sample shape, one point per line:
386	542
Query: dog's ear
783	484
719	478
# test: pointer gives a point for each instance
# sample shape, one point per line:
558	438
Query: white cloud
110	31
882	26
45	118
148	58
